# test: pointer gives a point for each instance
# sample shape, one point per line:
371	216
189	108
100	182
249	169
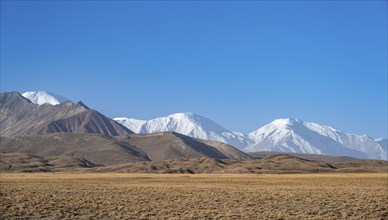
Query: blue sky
240	63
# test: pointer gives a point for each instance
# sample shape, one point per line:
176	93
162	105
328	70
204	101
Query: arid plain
197	196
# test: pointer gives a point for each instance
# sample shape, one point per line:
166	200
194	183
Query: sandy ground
199	196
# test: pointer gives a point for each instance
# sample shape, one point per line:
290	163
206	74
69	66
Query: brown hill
168	145
278	164
281	163
318	157
176	165
95	148
289	163
362	166
19	116
22	162
228	150
104	150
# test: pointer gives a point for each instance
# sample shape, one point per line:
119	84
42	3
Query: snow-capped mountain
43	97
293	135
188	124
134	125
282	135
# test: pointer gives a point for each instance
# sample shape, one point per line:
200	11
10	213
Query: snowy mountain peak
195	122
135	125
286	122
183	115
187	123
293	135
43	97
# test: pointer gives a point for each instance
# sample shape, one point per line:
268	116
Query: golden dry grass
200	196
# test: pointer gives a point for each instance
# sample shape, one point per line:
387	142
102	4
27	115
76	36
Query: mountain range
189	124
282	135
76	133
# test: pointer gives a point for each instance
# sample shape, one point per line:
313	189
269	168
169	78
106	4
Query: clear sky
239	63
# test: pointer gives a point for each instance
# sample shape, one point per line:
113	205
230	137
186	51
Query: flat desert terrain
198	196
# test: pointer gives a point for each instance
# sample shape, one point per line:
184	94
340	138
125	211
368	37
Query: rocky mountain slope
97	149
168	145
19	116
104	150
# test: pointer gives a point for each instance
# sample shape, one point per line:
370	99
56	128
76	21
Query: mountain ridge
20	116
283	135
307	137
188	123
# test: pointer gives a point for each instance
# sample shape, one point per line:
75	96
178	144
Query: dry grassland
200	196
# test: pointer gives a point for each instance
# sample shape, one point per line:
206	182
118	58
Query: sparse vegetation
200	196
